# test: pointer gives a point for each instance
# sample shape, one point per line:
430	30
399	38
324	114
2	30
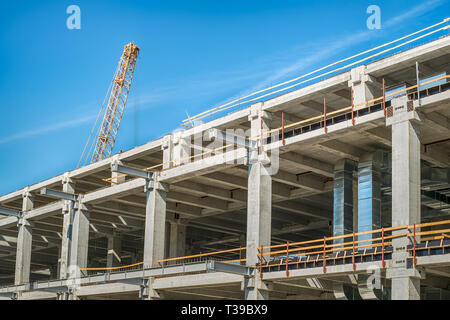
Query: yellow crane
101	147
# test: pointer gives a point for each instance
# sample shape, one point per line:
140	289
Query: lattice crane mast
103	144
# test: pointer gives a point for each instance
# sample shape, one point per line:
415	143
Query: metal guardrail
377	246
128	276
353	112
353	245
236	256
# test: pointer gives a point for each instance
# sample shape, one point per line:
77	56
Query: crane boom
107	131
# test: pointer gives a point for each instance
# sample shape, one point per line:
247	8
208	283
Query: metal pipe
287	259
261	137
324	246
384	96
414	245
383	263
353	255
260	262
418	83
353	107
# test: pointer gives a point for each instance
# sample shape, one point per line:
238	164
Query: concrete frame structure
215	202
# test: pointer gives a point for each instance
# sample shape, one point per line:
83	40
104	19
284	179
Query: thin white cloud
330	50
208	86
47	129
190	89
413	12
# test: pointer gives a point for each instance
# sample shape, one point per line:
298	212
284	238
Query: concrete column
69	187
167	148
177	246
259	202
148	292
117	177
369	194
255	288
343	203
259	211
80	240
405	194
24	242
365	87
155	222
114	247
181	149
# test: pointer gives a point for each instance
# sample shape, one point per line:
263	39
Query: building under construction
336	189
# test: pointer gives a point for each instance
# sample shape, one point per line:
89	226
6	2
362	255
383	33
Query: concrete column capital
79	205
363	78
155	184
358	75
256	111
176	220
255	281
167	141
256	288
115	159
177	137
148	293
67	206
66	179
392	273
27	193
25	222
375	157
345	165
401	110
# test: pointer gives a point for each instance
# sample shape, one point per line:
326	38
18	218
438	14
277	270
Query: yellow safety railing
346	109
283	127
322	246
239	101
112	268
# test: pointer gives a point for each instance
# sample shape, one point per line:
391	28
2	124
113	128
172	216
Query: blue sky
194	55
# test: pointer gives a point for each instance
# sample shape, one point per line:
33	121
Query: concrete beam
340	149
206	190
435	155
206	202
308	163
303	209
436	121
307	182
205	166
